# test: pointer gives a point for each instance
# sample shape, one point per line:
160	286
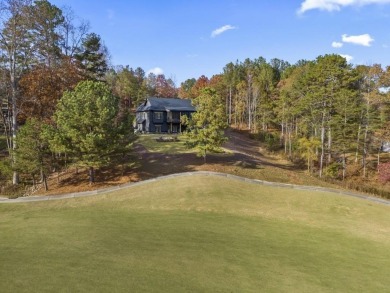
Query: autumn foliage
43	86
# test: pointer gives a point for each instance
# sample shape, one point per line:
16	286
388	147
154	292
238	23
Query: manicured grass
196	234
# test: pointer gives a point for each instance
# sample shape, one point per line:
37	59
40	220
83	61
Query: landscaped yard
198	234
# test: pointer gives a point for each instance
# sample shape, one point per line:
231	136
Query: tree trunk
344	165
230	105
45	182
378	158
329	145
322	144
44	179
358	139
91	173
15	177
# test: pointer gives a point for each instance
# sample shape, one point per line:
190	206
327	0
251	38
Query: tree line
325	111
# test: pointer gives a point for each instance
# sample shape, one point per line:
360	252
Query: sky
186	39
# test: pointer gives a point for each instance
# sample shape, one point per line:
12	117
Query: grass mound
200	234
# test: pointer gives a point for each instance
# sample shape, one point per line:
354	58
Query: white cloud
363	40
337	45
335	5
155	71
347	57
221	30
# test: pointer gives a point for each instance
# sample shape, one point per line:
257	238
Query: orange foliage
43	86
201	83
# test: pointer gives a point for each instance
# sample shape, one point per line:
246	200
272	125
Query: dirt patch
245	158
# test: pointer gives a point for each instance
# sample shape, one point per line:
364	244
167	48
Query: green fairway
196	234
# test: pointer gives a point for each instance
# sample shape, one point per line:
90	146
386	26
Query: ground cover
199	233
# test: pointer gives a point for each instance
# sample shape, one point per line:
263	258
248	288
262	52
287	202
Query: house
162	115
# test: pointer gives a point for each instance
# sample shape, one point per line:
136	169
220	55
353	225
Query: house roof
166	104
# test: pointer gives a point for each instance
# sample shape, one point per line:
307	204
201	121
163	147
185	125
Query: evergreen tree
33	151
206	126
90	126
93	57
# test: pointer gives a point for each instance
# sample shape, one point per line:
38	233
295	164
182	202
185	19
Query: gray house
162	115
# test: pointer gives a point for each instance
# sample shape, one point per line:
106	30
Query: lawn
152	143
196	234
149	141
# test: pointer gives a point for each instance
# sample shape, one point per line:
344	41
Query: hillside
149	159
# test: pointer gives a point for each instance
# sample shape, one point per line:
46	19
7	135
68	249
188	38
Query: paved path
252	181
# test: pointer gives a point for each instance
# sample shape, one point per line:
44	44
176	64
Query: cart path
186	174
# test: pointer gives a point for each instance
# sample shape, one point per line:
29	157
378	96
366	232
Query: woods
46	52
325	111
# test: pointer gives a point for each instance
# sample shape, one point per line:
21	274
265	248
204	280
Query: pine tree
33	151
207	125
90	126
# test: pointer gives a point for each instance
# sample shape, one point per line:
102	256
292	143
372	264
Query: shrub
333	170
384	172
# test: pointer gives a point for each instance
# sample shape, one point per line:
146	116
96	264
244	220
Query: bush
333	170
384	172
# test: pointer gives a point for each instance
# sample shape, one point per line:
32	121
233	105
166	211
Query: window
158	128
174	128
158	115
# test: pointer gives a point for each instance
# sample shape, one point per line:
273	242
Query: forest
326	114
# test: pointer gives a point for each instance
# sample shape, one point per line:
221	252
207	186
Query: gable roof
166	104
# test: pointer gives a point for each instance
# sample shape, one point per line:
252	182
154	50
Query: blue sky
185	39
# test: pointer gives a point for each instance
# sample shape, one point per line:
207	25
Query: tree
33	151
308	148
33	36
43	86
370	118
185	88
165	88
207	124
72	31
200	84
93	57
15	48
89	127
45	22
